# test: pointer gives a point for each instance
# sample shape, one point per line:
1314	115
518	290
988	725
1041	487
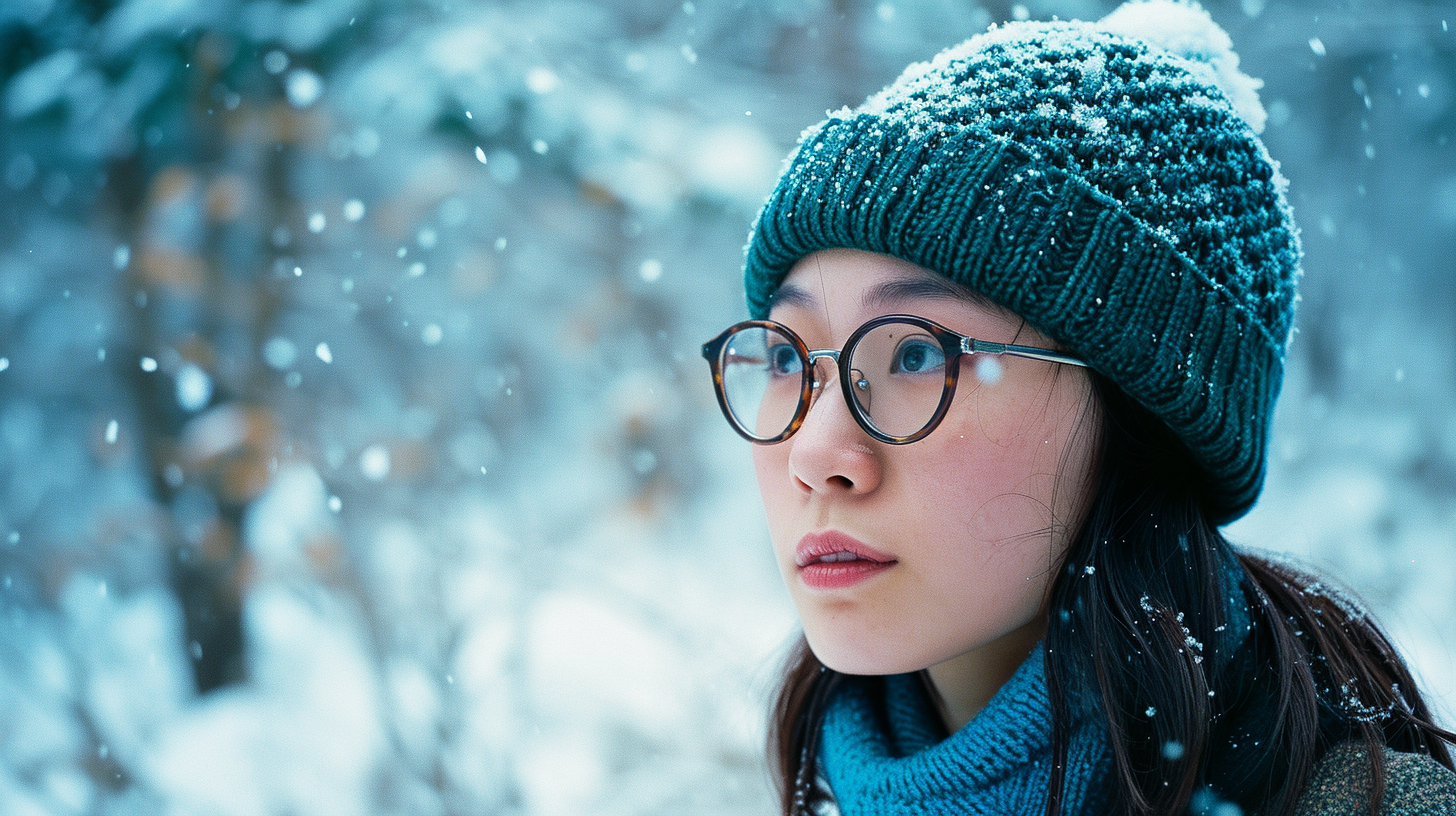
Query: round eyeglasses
896	371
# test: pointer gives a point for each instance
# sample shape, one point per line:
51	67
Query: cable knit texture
1102	188
882	754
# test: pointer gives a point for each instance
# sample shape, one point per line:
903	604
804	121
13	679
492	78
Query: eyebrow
790	295
899	290
891	292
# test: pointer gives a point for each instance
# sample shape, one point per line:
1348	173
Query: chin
864	658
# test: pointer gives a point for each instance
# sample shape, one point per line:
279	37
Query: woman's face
955	537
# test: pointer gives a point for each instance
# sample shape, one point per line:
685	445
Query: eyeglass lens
763	377
897	378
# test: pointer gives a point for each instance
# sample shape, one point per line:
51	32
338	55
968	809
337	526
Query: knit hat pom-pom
1187	31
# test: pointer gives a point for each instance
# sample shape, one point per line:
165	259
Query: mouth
833	560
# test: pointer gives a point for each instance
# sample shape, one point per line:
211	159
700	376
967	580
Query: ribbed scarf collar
882	753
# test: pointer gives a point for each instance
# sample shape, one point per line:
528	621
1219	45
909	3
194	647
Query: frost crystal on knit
1112	192
1186	30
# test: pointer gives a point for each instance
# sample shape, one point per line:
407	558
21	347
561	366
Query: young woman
1019	327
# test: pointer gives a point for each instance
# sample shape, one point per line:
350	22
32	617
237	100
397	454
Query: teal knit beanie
1105	182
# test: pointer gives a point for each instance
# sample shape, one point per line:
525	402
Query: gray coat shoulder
1415	785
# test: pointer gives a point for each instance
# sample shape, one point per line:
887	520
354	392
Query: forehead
847	284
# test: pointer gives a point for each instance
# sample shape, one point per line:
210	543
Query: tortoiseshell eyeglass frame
952	343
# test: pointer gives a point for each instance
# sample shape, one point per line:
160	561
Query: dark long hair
1220	676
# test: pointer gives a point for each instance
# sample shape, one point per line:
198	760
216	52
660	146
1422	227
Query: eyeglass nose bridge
860	395
815	355
816	382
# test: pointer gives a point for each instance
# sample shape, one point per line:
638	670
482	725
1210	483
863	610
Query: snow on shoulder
1187	31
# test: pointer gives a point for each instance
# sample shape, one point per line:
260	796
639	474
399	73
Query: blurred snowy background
355	452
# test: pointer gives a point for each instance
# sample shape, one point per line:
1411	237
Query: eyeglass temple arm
971	345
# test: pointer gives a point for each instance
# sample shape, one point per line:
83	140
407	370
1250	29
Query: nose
831	453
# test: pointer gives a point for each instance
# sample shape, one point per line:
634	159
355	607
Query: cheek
775	488
771	465
994	483
1014	475
1003	580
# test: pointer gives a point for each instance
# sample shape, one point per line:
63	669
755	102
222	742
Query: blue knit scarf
885	756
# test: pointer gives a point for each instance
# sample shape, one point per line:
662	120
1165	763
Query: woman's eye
916	356
783	360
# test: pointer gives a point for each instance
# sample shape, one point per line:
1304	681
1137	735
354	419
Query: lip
860	561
